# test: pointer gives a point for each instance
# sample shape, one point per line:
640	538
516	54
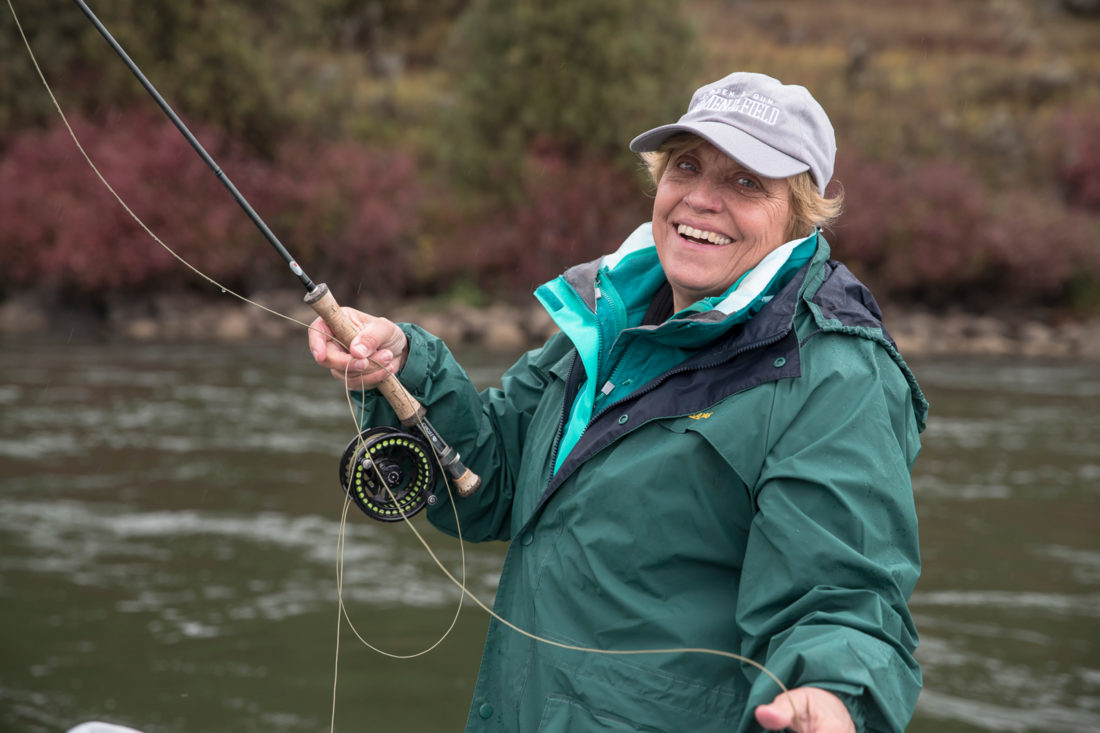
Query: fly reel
389	474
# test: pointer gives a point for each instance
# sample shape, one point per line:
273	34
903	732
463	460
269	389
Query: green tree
260	70
215	62
577	76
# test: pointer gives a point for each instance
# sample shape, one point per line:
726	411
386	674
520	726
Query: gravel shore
507	327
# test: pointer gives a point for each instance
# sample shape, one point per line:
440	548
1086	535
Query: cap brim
742	147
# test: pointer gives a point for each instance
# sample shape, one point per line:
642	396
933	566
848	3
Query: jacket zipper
566	408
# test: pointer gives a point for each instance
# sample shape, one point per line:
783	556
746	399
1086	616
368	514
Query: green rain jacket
751	494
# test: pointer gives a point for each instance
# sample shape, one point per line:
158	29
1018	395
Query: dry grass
981	80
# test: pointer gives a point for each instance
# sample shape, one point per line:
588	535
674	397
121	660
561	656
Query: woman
715	451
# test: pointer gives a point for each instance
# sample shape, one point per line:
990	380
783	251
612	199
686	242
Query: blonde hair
809	209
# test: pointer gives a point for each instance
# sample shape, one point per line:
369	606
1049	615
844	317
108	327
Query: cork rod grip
467	483
408	410
321	301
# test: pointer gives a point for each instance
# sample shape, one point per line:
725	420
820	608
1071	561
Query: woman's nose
703	196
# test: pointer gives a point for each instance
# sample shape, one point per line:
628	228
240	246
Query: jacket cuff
856	708
414	373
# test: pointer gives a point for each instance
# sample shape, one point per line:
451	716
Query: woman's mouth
701	236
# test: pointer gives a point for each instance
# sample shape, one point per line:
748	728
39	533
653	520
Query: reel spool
385	458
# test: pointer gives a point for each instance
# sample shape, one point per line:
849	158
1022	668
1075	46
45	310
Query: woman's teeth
701	235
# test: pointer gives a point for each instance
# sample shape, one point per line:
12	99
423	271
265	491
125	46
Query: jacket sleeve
487	429
832	554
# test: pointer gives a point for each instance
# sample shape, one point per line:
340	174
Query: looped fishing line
342	613
460	583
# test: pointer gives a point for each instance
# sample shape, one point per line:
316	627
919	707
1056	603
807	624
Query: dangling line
342	613
461	584
408	522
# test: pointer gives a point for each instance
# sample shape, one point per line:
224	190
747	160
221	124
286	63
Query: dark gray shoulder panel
844	298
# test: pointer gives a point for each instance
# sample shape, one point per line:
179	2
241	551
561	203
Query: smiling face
713	220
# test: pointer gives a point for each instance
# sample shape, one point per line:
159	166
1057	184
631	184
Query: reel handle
409	411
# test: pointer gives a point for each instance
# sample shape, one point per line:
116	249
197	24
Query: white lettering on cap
757	106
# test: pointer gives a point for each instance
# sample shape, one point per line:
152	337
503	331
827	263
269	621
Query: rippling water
169	517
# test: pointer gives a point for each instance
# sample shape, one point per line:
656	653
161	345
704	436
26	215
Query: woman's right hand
378	350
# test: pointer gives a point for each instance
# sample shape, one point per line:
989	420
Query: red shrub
939	249
66	232
914	232
571	211
340	209
934	233
352	215
1078	165
1039	252
873	194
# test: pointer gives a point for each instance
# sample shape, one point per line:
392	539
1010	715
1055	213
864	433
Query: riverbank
505	327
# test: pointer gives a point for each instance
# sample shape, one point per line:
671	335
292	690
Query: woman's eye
747	182
686	165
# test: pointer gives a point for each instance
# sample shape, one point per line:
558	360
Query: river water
170	513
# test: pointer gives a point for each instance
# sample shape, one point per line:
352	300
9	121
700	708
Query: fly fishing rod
376	456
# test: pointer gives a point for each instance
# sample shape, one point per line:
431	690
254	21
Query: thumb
806	709
776	715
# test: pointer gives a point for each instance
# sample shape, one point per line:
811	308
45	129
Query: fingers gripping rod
408	409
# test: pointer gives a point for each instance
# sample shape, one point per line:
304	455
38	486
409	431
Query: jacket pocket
563	714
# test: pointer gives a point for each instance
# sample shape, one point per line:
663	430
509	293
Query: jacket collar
636	261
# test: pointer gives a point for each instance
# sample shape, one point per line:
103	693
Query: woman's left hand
806	710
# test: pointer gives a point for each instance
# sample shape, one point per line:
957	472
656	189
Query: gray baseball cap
774	129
